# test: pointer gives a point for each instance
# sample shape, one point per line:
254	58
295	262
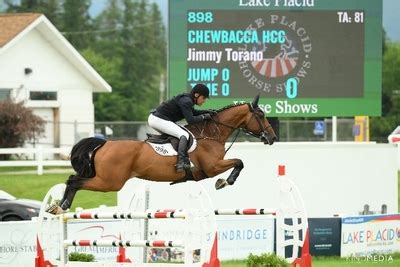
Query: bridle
263	135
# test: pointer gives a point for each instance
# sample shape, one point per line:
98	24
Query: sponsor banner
95	230
324	236
18	240
238	237
376	234
17	243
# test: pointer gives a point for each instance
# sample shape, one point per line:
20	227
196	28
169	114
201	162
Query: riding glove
206	116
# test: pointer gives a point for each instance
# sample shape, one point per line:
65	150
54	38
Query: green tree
108	106
109	25
381	127
147	53
23	5
130	61
159	33
139	61
133	36
76	23
50	8
159	47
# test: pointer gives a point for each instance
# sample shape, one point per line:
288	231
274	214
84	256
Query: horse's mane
222	109
231	106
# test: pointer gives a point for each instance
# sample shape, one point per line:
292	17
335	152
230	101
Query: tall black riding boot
183	158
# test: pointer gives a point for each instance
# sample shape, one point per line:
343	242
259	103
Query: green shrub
266	260
75	256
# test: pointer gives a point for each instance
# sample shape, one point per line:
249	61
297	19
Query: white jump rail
126	215
38	154
123	243
291	221
291	226
53	243
244	212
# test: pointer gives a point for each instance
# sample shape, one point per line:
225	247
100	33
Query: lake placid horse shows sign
106	165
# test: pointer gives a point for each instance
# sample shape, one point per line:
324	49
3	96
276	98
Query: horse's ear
254	104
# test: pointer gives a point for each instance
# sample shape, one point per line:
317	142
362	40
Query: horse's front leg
222	166
235	172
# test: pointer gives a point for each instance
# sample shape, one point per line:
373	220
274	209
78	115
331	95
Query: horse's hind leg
69	194
74	183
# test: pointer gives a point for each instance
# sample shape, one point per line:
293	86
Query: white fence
36	156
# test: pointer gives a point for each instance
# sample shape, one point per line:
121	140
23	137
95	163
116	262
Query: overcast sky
391	19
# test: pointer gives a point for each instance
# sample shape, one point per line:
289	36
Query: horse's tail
82	156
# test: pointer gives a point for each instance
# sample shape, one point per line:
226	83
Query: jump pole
45	218
291	208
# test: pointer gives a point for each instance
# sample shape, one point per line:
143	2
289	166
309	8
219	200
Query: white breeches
165	126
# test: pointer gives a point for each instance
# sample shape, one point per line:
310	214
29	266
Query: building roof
14	26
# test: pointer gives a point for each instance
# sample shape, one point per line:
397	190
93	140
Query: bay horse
106	165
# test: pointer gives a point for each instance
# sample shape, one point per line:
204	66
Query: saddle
167	145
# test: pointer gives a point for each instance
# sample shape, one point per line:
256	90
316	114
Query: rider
181	107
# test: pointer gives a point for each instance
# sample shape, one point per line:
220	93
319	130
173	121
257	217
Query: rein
230	127
260	124
233	141
239	129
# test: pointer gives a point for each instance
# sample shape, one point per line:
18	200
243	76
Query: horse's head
258	125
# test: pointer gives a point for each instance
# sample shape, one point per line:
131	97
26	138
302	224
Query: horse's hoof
220	183
54	209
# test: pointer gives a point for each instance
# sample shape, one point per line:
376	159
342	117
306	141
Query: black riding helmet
201	89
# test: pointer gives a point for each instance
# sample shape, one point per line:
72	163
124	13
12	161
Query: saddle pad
168	150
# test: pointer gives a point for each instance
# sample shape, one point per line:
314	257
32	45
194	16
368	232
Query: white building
40	67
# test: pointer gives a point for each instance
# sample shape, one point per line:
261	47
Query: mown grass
32	186
387	261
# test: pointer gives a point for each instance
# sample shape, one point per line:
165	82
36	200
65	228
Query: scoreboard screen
304	57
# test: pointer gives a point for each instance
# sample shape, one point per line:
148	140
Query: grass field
32	186
25	183
337	262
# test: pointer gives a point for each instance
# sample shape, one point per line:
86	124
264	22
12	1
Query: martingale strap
188	177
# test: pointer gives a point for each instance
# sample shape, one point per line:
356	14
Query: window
5	94
42	95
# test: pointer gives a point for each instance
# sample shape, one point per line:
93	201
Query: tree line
125	43
381	127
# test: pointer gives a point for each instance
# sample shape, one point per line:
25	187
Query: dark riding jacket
178	108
